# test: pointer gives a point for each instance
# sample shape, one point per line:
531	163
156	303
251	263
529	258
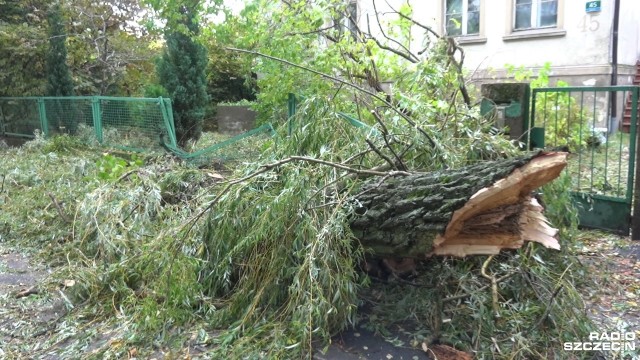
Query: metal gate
602	148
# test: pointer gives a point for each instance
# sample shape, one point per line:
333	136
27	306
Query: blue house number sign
594	6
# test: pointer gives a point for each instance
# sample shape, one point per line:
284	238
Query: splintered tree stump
474	210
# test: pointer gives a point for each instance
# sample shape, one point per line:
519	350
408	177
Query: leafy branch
349	84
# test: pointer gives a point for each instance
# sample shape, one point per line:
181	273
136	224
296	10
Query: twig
425	27
377	151
26	292
127	174
404	53
453	46
130	213
553	296
380	122
385	137
322	190
407	55
547	310
2	186
321	30
494	286
353	157
59	208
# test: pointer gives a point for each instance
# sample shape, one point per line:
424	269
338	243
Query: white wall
629	34
586	41
583	49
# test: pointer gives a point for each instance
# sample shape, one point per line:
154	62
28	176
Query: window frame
535	15
477	38
512	34
346	23
465	19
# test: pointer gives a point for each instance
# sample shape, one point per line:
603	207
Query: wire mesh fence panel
66	115
19	117
215	148
139	124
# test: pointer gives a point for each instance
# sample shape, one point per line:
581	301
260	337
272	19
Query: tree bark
474	210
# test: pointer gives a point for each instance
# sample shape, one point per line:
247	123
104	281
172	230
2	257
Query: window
462	17
352	12
348	20
532	14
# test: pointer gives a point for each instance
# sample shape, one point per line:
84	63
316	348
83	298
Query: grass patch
602	169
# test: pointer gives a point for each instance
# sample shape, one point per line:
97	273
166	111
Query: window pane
523	16
454	24
454	7
473	23
352	12
548	13
523	2
473	5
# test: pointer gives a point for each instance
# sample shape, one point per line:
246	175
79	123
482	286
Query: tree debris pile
264	263
276	264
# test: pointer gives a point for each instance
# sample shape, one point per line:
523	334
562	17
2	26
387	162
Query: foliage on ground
122	239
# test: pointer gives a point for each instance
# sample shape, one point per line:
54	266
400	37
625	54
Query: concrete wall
234	120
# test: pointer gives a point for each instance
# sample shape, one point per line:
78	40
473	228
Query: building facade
593	43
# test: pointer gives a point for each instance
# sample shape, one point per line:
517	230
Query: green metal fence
137	124
602	158
133	123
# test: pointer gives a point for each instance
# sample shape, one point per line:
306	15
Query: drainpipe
614	62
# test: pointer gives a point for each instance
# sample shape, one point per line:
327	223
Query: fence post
97	118
634	153
167	114
292	111
42	112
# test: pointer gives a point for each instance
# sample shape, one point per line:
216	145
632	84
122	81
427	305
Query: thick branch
474	210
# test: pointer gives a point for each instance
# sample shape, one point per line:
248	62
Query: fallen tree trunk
479	209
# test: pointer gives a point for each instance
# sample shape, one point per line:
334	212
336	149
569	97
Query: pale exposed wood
504	215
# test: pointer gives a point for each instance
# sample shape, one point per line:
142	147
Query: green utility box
508	105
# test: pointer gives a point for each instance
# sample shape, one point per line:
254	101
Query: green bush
112	167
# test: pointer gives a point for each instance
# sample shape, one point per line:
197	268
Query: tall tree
22	48
181	71
111	46
58	75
